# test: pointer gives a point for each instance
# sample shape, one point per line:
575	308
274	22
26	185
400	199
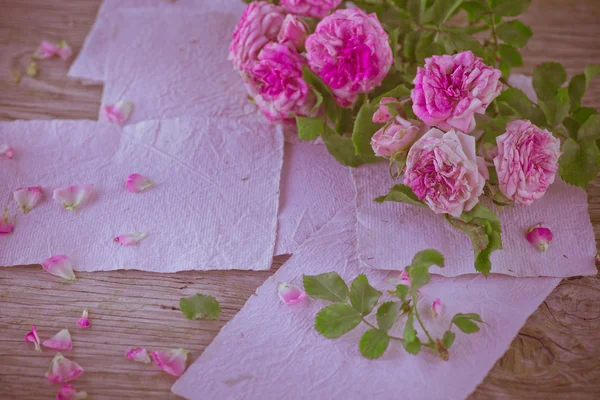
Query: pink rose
293	31
396	136
449	90
445	173
527	161
259	24
275	82
310	8
388	108
349	50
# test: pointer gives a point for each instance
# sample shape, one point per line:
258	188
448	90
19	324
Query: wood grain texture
556	355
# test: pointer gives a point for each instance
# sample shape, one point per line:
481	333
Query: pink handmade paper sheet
271	350
90	62
389	233
213	204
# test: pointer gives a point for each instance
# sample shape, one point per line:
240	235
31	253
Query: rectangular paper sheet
213	204
389	233
270	350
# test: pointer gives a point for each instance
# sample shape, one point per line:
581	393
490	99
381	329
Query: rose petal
46	50
84	322
60	265
28	197
63	370
7	151
60	341
436	308
6	223
137	183
138	354
68	392
129	239
290	294
540	237
71	197
33	338
64	50
119	112
172	361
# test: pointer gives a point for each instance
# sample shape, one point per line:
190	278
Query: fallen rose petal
71	197
540	237
137	183
63	370
84	322
119	112
33	338
290	294
138	354
7	151
64	50
46	50
60	341
68	392
28	197
436	308
60	265
129	239
6	223
172	361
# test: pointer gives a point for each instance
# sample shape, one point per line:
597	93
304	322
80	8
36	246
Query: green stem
494	34
416	312
374	327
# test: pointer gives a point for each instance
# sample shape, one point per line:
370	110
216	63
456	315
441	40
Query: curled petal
84	322
64	50
46	50
60	341
119	112
68	392
71	197
33	338
7	151
63	370
539	236
129	239
290	294
60	265
172	361
28	197
6	223
137	183
436	308
138	354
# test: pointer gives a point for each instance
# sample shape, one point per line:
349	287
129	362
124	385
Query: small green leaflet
510	8
427	258
579	164
364	129
556	108
386	315
373	343
200	306
448	339
328	286
337	319
547	78
514	33
309	128
518	101
465	323
342	149
590	130
363	296
401	194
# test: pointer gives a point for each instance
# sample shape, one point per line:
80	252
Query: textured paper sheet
214	203
89	64
314	187
389	233
271	351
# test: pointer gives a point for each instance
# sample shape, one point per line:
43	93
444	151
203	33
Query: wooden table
556	355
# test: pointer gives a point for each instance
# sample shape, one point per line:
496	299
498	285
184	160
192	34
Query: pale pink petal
290	294
6	223
71	197
33	338
68	392
119	112
138	354
129	239
137	183
60	341
60	265
436	308
84	322
172	361
63	370
7	151
28	197
64	50
539	236
46	50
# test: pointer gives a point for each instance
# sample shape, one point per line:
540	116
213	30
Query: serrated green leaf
510	8
363	296
514	33
309	128
590	130
510	55
364	129
401	194
460	41
583	113
465	324
397	92
441	11
473	316
328	286
402	291
427	258
419	276
315	82
386	315
342	149
577	86
579	164
591	71
572	127
374	343
410	44
410	334
426	47
413	347
336	319
494	128
475	10
448	339
416	9
200	306
518	101
547	78
556	108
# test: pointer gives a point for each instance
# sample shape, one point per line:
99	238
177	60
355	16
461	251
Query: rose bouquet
424	84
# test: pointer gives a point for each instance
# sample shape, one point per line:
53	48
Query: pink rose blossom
527	161
27	198
259	24
7	151
350	51
276	84
7	224
445	173
290	294
449	90
138	354
436	308
540	237
119	112
137	183
68	392
33	338
61	266
396	136
63	370
293	31
60	341
172	361
71	197
129	239
310	8
84	321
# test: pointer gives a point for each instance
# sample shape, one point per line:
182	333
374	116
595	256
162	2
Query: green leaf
579	164
309	128
494	128
591	71
419	276
342	149
514	33
547	78
401	194
316	82
411	342
426	47
518	101
397	92
328	286
448	339
402	291
579	83
363	296
460	41
416	9
473	316
590	130
410	44
386	315
572	127
373	343
200	306
582	114
336	319
413	347
441	11
510	55
510	8
427	258
364	129
465	323
475	10
557	108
